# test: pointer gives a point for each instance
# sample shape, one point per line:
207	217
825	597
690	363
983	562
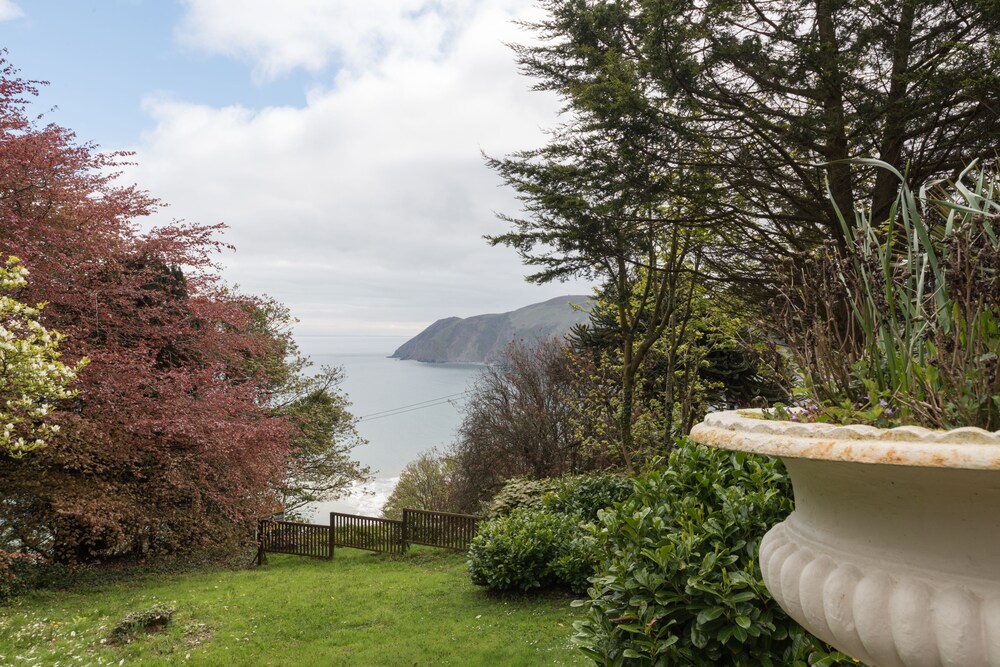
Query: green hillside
481	338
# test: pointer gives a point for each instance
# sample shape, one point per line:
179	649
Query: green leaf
743	596
710	614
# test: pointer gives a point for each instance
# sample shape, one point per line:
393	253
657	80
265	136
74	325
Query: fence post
261	554
406	529
330	534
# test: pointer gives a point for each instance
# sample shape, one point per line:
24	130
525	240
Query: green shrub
576	564
573	494
586	495
678	581
529	549
537	537
517	493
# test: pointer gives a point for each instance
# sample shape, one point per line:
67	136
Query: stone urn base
892	554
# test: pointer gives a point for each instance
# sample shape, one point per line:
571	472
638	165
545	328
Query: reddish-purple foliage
171	443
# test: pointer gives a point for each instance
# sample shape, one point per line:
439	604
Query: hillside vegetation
482	338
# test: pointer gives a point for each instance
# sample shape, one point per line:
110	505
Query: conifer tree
702	137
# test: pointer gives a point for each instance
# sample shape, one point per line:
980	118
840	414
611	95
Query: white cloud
277	37
9	11
364	209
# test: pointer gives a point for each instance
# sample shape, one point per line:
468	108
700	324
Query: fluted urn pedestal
892	554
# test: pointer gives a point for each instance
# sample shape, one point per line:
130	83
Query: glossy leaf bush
531	549
586	495
539	536
678	581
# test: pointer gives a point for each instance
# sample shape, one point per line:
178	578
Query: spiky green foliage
908	317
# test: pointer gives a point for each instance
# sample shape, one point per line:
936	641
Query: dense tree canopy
703	143
755	93
709	360
175	440
600	206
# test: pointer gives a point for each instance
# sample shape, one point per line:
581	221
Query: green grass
358	609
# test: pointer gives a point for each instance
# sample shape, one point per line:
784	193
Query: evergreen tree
758	93
701	139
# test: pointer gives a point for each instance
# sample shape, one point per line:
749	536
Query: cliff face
481	338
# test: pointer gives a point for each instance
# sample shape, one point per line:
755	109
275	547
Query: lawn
358	609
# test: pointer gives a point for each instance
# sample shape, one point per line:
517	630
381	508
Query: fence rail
433	529
298	539
367	532
439	529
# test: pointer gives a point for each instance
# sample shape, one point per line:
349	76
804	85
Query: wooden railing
367	532
434	529
439	529
299	539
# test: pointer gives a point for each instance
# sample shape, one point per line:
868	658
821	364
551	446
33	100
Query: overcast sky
339	139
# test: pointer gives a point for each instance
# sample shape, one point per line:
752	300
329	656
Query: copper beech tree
173	441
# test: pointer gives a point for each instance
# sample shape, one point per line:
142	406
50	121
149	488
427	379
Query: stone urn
892	554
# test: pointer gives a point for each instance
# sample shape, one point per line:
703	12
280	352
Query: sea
404	408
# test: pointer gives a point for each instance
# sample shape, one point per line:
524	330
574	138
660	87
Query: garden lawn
358	609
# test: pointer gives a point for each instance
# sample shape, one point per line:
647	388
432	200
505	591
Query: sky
341	141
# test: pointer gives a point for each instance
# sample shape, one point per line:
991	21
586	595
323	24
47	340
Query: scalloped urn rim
891	553
746	430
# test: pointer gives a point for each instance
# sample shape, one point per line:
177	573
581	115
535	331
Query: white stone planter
892	554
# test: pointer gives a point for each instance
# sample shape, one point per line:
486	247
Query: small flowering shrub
32	378
678	581
872	412
151	620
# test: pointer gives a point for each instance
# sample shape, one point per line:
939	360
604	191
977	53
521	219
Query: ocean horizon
404	408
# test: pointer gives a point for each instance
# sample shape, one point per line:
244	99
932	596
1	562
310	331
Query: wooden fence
434	529
439	529
299	539
367	532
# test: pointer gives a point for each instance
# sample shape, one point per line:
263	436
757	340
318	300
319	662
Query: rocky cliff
481	338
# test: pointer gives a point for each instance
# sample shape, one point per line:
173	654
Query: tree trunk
893	139
835	119
625	415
